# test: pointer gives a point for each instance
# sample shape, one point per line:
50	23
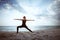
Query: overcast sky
44	12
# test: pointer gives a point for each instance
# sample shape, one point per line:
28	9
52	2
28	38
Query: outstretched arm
17	19
29	20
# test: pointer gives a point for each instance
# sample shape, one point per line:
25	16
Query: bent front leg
17	29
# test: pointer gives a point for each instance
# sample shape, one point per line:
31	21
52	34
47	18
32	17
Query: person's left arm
29	20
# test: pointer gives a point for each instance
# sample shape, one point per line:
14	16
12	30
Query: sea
35	28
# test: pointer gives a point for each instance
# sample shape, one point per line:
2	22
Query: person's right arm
17	19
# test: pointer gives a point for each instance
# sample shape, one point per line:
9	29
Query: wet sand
49	34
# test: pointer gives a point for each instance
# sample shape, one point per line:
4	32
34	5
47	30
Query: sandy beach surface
49	34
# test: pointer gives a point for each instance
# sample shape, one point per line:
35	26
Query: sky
44	12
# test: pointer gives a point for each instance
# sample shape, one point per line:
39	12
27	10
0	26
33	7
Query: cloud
41	14
3	2
12	3
51	12
54	9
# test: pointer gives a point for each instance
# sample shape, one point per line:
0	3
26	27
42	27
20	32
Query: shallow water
13	28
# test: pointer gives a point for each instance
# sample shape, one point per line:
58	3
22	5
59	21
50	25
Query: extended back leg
28	29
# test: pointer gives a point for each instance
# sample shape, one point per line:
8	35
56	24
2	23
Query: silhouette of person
23	24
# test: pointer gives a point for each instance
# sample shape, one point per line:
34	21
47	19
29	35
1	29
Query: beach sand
49	34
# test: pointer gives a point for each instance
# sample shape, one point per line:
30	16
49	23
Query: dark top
23	22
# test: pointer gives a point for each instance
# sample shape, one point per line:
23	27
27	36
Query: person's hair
24	17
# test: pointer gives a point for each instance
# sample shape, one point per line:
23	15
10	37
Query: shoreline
49	34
